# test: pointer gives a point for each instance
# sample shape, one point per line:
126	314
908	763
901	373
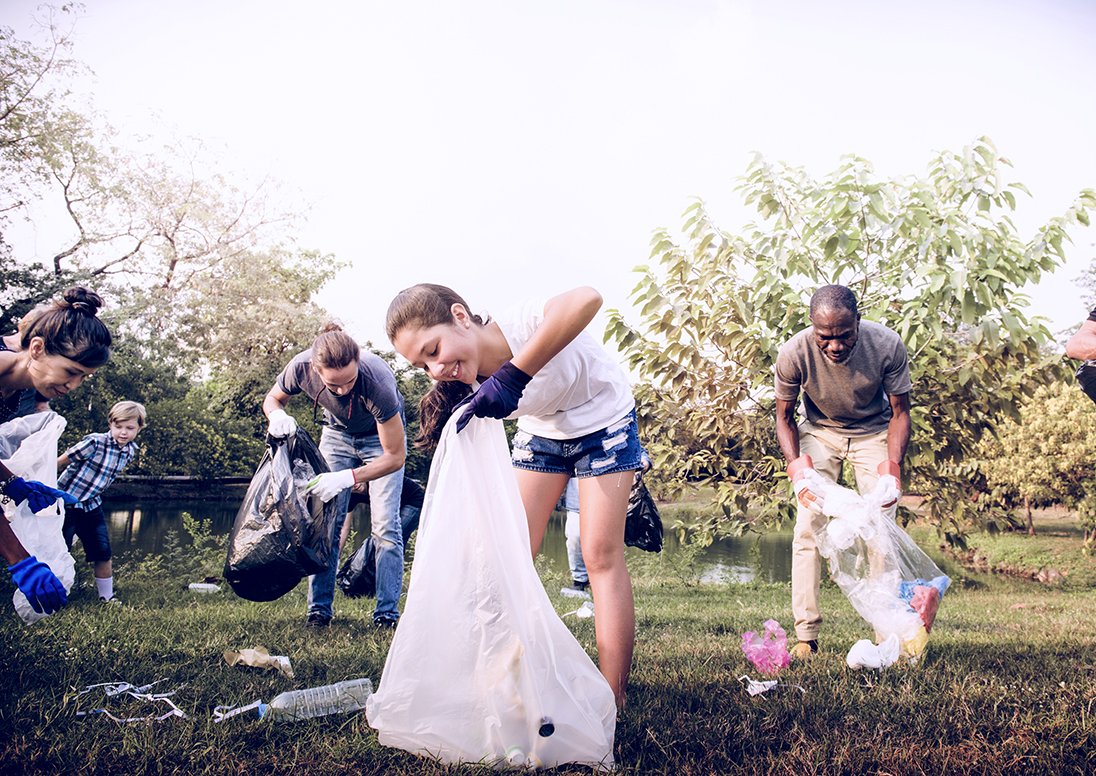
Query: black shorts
91	526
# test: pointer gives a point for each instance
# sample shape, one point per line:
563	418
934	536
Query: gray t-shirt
374	399
849	398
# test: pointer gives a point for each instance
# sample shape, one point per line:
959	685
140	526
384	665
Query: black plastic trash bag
280	535
642	524
358	575
1086	377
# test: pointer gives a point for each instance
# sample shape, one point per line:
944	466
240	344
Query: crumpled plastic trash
755	687
865	654
924	596
767	652
583	612
114	689
260	657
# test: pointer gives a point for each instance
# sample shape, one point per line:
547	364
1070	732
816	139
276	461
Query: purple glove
43	589
37	495
497	397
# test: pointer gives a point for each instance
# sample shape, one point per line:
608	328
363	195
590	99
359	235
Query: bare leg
603	501
540	492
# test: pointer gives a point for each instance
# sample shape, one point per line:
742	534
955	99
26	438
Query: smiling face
836	331
53	375
447	351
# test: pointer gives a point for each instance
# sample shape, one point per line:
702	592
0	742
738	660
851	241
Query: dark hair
834	297
334	348
422	306
69	327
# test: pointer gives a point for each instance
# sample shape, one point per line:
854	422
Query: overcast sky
514	149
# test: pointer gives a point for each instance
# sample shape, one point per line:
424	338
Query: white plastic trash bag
887	578
28	447
481	668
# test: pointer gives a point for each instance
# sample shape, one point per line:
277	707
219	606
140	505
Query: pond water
142	527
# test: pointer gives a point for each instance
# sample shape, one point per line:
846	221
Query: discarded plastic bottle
203	587
341	698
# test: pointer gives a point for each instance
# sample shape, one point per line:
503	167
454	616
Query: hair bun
83	300
331	326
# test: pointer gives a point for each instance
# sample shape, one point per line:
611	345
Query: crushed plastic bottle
203	587
341	698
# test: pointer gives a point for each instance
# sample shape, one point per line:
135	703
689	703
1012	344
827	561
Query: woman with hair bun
57	346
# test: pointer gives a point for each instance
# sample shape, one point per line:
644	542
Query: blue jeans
348	451
571	531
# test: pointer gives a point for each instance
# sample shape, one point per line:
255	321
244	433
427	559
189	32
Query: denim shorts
615	448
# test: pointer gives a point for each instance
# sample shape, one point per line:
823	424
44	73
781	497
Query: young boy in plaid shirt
95	461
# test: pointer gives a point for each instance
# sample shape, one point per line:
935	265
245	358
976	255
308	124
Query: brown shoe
804	650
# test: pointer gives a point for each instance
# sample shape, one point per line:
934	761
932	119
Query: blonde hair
334	348
128	410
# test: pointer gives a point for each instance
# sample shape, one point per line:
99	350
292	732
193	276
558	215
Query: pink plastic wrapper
769	651
925	601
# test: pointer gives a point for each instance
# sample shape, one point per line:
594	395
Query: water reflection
143	526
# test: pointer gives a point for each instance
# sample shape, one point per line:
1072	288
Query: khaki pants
828	449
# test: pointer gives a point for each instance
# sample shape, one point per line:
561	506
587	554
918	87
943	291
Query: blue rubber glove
498	396
43	589
37	495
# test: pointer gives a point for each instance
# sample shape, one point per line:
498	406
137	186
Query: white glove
330	484
814	484
281	424
887	491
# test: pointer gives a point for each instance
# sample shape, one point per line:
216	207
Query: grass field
1008	684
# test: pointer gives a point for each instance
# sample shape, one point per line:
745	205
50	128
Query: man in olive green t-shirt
855	380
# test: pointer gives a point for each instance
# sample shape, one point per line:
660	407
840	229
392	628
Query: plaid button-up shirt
95	461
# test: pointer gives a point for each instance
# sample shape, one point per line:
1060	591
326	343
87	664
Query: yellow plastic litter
915	647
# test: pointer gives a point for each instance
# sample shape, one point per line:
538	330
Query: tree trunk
1030	522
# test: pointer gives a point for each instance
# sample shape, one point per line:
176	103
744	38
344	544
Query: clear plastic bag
28	447
481	668
887	578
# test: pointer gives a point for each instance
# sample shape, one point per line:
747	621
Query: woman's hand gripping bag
281	535
481	668
28	447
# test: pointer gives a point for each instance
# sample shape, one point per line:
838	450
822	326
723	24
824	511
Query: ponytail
334	348
435	409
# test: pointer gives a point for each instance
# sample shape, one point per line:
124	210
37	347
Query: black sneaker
317	620
385	620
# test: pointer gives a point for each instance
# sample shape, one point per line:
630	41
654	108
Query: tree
937	258
1047	455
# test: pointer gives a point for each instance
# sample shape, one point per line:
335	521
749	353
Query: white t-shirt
580	391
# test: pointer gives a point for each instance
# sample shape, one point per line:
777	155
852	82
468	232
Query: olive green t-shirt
851	397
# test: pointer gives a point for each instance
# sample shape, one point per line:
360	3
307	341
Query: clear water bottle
203	587
341	698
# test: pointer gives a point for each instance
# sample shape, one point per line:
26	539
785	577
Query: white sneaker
575	591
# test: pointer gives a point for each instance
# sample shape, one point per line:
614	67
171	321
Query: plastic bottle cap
547	728
263	708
